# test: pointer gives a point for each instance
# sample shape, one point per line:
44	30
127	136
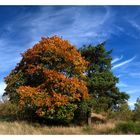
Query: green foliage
136	111
102	104
98	57
63	114
14	80
101	81
123	113
127	128
83	111
8	111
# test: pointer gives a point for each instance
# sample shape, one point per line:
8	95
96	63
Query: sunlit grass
23	128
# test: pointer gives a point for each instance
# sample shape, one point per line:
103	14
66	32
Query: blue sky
21	27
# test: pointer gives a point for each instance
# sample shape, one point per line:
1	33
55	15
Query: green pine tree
101	81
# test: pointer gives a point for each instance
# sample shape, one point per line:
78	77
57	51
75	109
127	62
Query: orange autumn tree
48	81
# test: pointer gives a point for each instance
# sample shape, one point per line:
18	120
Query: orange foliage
57	90
60	53
62	68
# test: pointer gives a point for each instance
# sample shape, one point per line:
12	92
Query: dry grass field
23	128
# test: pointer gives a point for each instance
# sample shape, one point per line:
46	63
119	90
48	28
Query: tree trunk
89	117
89	120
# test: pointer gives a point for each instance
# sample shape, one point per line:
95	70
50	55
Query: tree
100	80
136	116
48	81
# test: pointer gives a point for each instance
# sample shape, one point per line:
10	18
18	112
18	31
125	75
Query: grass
24	128
111	127
105	128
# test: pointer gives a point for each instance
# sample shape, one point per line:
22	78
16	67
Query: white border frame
69	2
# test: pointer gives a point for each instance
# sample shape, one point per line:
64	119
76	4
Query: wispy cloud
134	24
116	59
133	91
135	74
122	84
123	63
80	25
84	25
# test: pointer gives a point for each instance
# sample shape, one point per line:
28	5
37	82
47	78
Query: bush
8	111
123	113
136	115
128	128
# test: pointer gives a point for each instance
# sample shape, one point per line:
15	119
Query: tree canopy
101	82
49	80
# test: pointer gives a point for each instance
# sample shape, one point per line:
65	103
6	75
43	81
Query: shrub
136	115
8	111
127	128
123	113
